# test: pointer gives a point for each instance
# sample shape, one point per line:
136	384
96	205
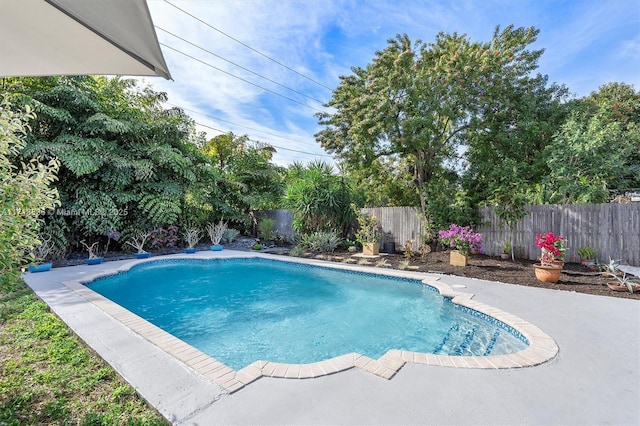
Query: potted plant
505	250
554	244
548	270
137	242
93	259
624	283
553	249
192	237
463	241
368	234
216	231
40	253
587	255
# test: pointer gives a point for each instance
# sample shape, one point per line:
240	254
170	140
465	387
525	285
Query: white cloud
324	39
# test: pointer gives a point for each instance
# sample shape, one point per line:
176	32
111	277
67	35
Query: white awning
78	37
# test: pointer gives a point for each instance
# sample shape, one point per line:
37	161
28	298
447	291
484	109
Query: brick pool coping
541	349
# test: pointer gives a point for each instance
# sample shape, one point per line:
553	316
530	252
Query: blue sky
587	43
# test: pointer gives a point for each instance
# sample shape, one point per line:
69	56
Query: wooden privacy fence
283	220
613	230
400	223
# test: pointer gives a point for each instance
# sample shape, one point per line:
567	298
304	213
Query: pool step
492	342
468	338
450	334
459	342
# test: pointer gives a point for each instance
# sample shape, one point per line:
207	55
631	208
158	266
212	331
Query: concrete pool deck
594	379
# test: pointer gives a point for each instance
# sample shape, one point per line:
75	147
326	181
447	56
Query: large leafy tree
506	155
126	162
597	150
386	182
250	181
416	102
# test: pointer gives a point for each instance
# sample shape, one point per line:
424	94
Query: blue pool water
243	310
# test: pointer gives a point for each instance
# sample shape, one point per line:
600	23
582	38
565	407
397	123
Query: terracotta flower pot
547	274
616	286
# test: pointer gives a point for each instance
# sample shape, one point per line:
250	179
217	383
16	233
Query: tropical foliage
369	230
26	191
320	199
250	181
130	165
445	126
127	164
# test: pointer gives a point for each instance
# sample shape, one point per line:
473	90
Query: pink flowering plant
547	258
553	247
461	238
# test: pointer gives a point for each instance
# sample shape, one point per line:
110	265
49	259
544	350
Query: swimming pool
243	310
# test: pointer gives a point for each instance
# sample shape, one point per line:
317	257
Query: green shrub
320	241
229	235
257	246
297	251
265	228
319	198
25	194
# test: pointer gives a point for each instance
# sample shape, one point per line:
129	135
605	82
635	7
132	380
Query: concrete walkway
595	378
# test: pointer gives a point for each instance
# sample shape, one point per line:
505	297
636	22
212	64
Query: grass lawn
49	376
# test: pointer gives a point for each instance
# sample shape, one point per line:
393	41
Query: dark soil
575	277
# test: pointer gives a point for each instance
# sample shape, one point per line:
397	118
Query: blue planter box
40	268
142	255
94	261
190	250
217	248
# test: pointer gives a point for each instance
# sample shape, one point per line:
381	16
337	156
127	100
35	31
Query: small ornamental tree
25	194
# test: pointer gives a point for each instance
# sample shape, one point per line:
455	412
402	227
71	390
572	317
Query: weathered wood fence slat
613	230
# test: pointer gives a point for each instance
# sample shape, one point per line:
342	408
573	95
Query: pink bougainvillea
551	243
461	238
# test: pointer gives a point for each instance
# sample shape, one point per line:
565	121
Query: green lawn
49	376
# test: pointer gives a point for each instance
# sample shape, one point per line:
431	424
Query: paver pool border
541	349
